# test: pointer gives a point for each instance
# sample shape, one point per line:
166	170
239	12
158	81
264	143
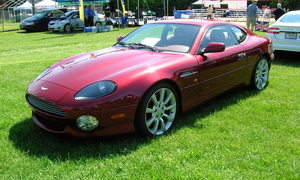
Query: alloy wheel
262	74
67	28
160	111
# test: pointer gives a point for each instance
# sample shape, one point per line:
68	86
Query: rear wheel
260	75
158	110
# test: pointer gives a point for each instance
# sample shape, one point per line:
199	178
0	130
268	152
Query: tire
260	75
97	24
156	116
67	28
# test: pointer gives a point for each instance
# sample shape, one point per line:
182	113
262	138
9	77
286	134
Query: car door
250	54
73	21
77	21
52	15
220	71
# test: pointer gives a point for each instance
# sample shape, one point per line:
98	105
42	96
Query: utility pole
138	9
3	17
167	8
127	5
119	19
33	6
164	7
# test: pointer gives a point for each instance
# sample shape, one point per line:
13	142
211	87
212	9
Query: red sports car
148	77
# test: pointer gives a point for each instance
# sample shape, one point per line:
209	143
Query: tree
289	4
2	1
156	5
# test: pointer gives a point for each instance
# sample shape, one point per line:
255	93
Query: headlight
96	90
29	23
46	71
63	22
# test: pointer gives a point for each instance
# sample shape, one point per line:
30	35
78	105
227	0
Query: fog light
87	123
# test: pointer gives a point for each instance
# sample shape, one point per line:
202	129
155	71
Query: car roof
52	9
199	22
73	11
294	12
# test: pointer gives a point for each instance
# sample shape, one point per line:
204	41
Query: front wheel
260	76
67	28
158	110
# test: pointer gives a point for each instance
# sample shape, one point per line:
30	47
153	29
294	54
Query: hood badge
44	88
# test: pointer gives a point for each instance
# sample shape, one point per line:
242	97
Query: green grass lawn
9	26
239	135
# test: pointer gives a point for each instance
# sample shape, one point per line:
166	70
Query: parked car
285	32
143	81
39	21
68	22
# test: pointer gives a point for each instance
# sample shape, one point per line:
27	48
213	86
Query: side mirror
214	47
120	38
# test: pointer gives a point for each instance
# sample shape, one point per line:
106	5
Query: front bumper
112	120
55	110
28	27
59	126
55	28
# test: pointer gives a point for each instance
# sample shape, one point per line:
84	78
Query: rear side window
240	34
221	34
57	13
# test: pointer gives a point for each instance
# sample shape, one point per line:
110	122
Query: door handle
187	74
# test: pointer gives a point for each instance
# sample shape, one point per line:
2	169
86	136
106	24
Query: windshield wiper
140	45
122	43
137	45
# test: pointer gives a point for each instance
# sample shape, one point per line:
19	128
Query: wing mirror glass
214	47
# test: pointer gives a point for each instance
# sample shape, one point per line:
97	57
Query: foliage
289	4
156	5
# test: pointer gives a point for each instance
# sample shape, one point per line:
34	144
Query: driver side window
220	34
57	13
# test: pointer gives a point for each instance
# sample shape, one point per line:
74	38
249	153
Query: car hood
108	64
31	19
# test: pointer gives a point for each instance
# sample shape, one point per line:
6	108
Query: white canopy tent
26	5
45	4
232	4
199	2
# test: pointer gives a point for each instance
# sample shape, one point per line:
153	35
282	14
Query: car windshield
66	15
40	14
291	18
163	37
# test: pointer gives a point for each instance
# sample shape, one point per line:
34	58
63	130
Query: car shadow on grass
33	141
287	58
28	32
231	97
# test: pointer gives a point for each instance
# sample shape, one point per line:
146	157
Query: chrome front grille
44	106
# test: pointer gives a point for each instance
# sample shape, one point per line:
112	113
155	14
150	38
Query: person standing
210	12
252	15
278	12
267	14
89	16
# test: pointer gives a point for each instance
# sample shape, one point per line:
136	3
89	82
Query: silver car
67	23
285	33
